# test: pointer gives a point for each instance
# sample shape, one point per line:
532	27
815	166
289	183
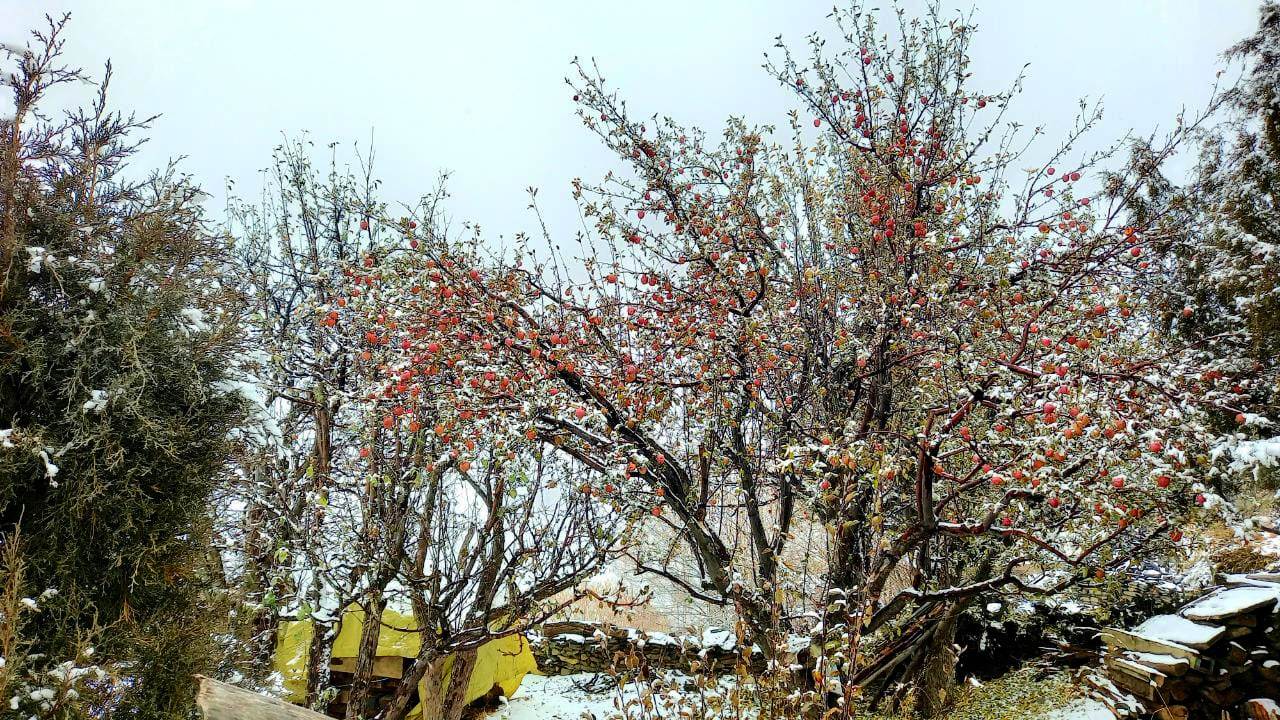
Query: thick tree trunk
362	680
444	698
318	654
936	678
454	700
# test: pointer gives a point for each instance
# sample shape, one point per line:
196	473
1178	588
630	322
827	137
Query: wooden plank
1180	630
220	701
1143	689
1126	640
387	666
1137	670
1167	664
1225	603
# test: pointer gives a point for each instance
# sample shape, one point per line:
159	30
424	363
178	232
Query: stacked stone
1218	656
567	648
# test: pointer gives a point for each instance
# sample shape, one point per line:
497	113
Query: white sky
477	88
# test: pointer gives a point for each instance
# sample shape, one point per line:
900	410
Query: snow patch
1179	630
50	470
1231	602
38	258
193	320
97	401
1083	709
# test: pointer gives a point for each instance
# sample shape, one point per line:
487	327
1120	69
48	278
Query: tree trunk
454	700
936	677
318	653
441	699
12	163
362	680
432	697
258	570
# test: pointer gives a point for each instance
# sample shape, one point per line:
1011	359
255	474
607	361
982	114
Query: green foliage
1230	270
114	344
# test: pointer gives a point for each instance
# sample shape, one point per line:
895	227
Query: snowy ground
556	698
563	698
1081	710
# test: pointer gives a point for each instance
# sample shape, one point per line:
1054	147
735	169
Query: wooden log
1249	620
1167	664
578	627
1141	688
1177	691
1141	672
220	701
1181	631
1120	703
1237	654
1126	640
1223	697
1226	603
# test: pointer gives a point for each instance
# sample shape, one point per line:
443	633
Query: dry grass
1240	560
1021	695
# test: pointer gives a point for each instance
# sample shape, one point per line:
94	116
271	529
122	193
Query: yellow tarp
502	662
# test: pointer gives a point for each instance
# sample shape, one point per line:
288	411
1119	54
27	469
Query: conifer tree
115	331
1222	232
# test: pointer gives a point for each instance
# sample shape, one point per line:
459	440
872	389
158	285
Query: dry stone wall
565	648
1218	656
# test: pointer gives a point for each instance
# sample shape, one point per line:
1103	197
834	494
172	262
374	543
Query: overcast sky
476	88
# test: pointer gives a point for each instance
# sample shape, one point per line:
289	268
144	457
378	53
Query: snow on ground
1083	709
556	698
1268	543
569	697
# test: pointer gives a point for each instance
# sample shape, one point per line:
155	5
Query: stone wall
565	648
1218	656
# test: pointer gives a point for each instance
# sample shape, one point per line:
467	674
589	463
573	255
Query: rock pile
1218	656
564	648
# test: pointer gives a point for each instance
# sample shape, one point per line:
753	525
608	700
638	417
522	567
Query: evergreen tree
1224	233
116	330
